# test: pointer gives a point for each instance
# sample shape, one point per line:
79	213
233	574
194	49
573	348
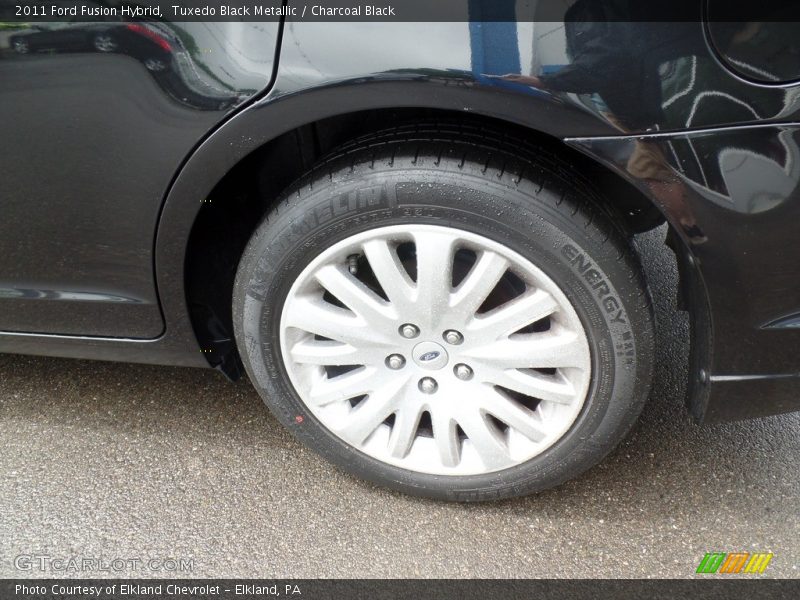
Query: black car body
127	204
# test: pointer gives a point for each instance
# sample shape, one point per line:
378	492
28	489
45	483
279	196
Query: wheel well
236	206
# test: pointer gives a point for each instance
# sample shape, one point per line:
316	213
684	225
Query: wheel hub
430	356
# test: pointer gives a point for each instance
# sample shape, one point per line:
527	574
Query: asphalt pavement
147	465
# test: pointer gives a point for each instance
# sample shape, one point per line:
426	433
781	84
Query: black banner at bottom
395	589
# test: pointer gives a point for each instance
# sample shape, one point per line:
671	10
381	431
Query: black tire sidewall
527	218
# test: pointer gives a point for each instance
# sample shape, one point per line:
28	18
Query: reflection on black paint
99	117
679	85
765	47
166	50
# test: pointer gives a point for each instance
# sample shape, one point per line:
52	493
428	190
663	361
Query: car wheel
104	42
446	318
155	64
21	47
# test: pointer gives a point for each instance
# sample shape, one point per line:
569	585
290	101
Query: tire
441	183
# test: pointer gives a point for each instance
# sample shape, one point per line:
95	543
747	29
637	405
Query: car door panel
91	143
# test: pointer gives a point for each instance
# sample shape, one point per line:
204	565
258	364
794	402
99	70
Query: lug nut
463	372
451	336
409	331
428	385
395	361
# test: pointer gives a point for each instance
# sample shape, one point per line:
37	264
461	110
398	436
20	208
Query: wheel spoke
534	351
332	353
446	437
324	319
406	421
391	275
434	276
343	387
478	284
533	384
515	314
374	410
355	295
488	442
524	421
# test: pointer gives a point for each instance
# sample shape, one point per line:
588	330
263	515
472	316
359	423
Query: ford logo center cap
430	356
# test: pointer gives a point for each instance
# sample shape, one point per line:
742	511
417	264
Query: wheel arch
272	143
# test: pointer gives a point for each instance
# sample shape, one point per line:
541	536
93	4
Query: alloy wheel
435	349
